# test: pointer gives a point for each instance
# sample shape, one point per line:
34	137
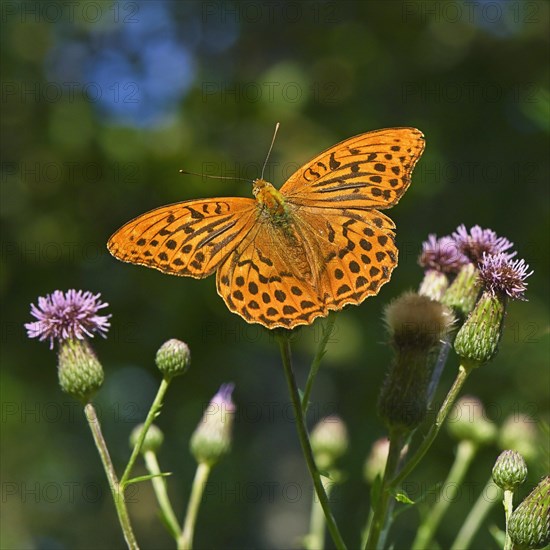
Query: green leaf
147	477
402	497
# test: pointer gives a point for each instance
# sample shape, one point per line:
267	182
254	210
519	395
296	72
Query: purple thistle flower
223	398
442	255
479	241
62	316
212	438
500	274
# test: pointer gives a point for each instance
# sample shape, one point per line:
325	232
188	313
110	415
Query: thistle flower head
223	399
79	371
153	438
502	275
478	241
70	315
441	255
529	525
173	358
329	441
519	432
510	470
212	438
416	321
376	460
477	340
416	326
468	421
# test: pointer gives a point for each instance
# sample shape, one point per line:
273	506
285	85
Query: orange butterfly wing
272	277
285	279
188	238
371	170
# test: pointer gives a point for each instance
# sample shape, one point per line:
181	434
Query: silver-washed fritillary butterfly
294	254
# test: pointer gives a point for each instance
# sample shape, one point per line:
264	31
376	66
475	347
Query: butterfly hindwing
358	253
271	279
189	238
323	260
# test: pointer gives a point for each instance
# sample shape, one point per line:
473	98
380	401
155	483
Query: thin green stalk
185	541
151	415
316	363
377	531
315	539
508	509
446	407
159	486
284	346
475	518
464	455
116	488
439	366
366	529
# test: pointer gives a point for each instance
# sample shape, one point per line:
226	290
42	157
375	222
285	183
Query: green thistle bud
468	421
434	285
329	441
462	293
173	358
80	372
519	432
509	471
529	525
376	460
212	438
153	439
416	326
478	338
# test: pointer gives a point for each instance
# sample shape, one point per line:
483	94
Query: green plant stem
185	541
377	531
465	453
159	486
315	539
116	488
316	363
508	509
284	346
366	529
475	518
463	372
151	415
442	357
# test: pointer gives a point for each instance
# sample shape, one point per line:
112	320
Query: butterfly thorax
270	200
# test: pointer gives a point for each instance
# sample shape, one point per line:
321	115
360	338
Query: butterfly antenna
214	177
270	147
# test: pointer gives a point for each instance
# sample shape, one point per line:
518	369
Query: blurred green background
103	103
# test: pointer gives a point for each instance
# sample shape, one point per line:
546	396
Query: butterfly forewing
371	170
188	238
